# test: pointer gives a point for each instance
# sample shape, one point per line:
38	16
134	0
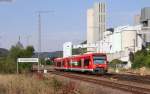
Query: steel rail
115	85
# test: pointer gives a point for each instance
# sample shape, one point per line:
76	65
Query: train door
87	62
65	63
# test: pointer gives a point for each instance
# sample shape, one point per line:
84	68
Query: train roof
78	56
94	53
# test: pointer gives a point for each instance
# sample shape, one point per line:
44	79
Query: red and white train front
100	64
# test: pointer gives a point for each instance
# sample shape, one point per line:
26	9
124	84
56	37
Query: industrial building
145	22
96	22
116	42
120	41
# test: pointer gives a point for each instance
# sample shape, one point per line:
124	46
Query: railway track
130	77
121	77
113	84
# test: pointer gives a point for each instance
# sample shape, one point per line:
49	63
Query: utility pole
39	39
39	35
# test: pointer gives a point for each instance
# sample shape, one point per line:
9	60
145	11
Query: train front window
99	59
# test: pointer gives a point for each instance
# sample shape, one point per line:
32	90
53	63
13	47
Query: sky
65	22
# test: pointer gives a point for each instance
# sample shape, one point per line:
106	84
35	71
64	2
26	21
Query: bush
116	61
138	61
147	61
7	65
141	59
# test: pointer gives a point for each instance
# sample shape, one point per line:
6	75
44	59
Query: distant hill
49	54
3	52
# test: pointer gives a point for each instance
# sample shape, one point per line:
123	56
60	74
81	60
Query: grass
22	84
33	84
50	84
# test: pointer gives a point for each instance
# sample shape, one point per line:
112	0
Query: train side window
76	63
86	62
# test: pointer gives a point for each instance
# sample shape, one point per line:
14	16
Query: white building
120	42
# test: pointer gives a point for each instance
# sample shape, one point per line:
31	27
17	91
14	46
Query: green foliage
147	61
17	52
115	61
8	63
42	61
48	62
29	51
141	59
25	67
115	64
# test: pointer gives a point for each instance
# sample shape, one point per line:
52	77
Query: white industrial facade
121	39
119	43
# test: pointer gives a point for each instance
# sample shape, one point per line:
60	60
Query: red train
93	62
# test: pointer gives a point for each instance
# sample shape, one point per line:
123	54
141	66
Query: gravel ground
89	88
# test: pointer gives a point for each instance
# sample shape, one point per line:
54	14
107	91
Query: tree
9	65
15	52
141	58
29	51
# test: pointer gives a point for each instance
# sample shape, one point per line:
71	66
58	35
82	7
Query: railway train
95	63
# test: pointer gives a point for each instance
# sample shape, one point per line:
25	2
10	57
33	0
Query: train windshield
99	59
